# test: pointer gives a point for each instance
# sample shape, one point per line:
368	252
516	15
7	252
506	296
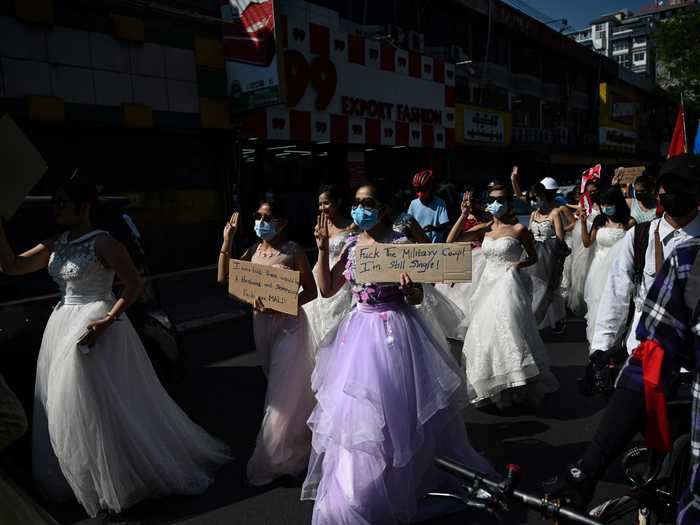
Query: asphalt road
226	398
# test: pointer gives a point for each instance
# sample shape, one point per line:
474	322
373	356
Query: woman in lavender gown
387	394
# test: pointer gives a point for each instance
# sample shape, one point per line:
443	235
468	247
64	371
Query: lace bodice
542	230
607	237
370	293
503	250
80	275
336	245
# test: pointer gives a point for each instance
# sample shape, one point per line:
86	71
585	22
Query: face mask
497	209
265	230
609	210
678	205
366	219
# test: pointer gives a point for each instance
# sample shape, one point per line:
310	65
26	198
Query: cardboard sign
424	263
278	289
21	167
629	175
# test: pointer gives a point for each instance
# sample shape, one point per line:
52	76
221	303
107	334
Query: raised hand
466	204
514	173
231	227
321	231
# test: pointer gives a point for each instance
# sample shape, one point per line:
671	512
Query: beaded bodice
77	270
542	230
502	250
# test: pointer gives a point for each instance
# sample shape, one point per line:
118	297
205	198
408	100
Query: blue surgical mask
497	209
265	230
365	218
608	210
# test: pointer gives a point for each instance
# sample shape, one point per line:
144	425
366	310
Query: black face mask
678	205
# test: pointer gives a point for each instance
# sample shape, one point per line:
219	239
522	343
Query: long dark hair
615	197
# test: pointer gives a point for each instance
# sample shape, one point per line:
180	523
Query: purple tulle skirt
387	403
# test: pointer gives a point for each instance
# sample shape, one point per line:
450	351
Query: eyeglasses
490	199
368	203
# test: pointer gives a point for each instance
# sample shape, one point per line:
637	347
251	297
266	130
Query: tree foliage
678	45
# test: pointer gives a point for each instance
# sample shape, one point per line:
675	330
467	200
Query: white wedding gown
325	314
103	423
605	249
503	355
581	258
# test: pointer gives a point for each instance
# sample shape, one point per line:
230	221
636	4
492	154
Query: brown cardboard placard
21	167
277	288
629	175
424	263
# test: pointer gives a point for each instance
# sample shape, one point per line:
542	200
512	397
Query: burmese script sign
278	289
424	263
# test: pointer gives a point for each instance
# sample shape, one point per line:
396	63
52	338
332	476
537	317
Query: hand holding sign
421	263
264	287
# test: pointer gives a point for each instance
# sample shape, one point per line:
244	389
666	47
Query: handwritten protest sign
424	263
277	288
21	167
629	175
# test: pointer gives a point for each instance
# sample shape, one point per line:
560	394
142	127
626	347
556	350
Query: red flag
678	144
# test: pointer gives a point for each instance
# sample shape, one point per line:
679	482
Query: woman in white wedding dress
604	241
103	427
580	256
325	314
503	355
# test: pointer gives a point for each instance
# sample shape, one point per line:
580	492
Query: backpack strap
641	241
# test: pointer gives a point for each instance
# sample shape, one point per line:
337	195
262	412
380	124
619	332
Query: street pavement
226	398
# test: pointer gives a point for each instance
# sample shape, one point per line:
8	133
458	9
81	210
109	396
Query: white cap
549	183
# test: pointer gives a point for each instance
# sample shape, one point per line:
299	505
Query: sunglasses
368	203
502	200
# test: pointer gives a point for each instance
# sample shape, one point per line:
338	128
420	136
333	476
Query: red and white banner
344	88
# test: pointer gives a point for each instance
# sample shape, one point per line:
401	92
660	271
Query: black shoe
573	488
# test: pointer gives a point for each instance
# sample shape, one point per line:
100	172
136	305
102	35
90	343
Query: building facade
628	37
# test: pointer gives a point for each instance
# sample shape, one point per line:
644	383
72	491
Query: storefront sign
251	53
475	124
276	288
424	263
617	139
344	88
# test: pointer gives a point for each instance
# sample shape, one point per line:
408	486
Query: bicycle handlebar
550	509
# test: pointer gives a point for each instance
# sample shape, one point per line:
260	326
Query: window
640	57
620	45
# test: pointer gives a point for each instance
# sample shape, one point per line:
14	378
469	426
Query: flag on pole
696	146
678	144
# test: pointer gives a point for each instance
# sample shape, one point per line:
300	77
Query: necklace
267	253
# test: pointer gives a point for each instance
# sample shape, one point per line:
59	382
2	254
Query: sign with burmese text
277	288
424	263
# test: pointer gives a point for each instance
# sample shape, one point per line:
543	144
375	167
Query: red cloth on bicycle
658	434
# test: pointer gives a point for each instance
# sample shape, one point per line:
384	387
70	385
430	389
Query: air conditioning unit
456	54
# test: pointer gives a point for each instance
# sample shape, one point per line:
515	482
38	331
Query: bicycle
658	485
490	496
